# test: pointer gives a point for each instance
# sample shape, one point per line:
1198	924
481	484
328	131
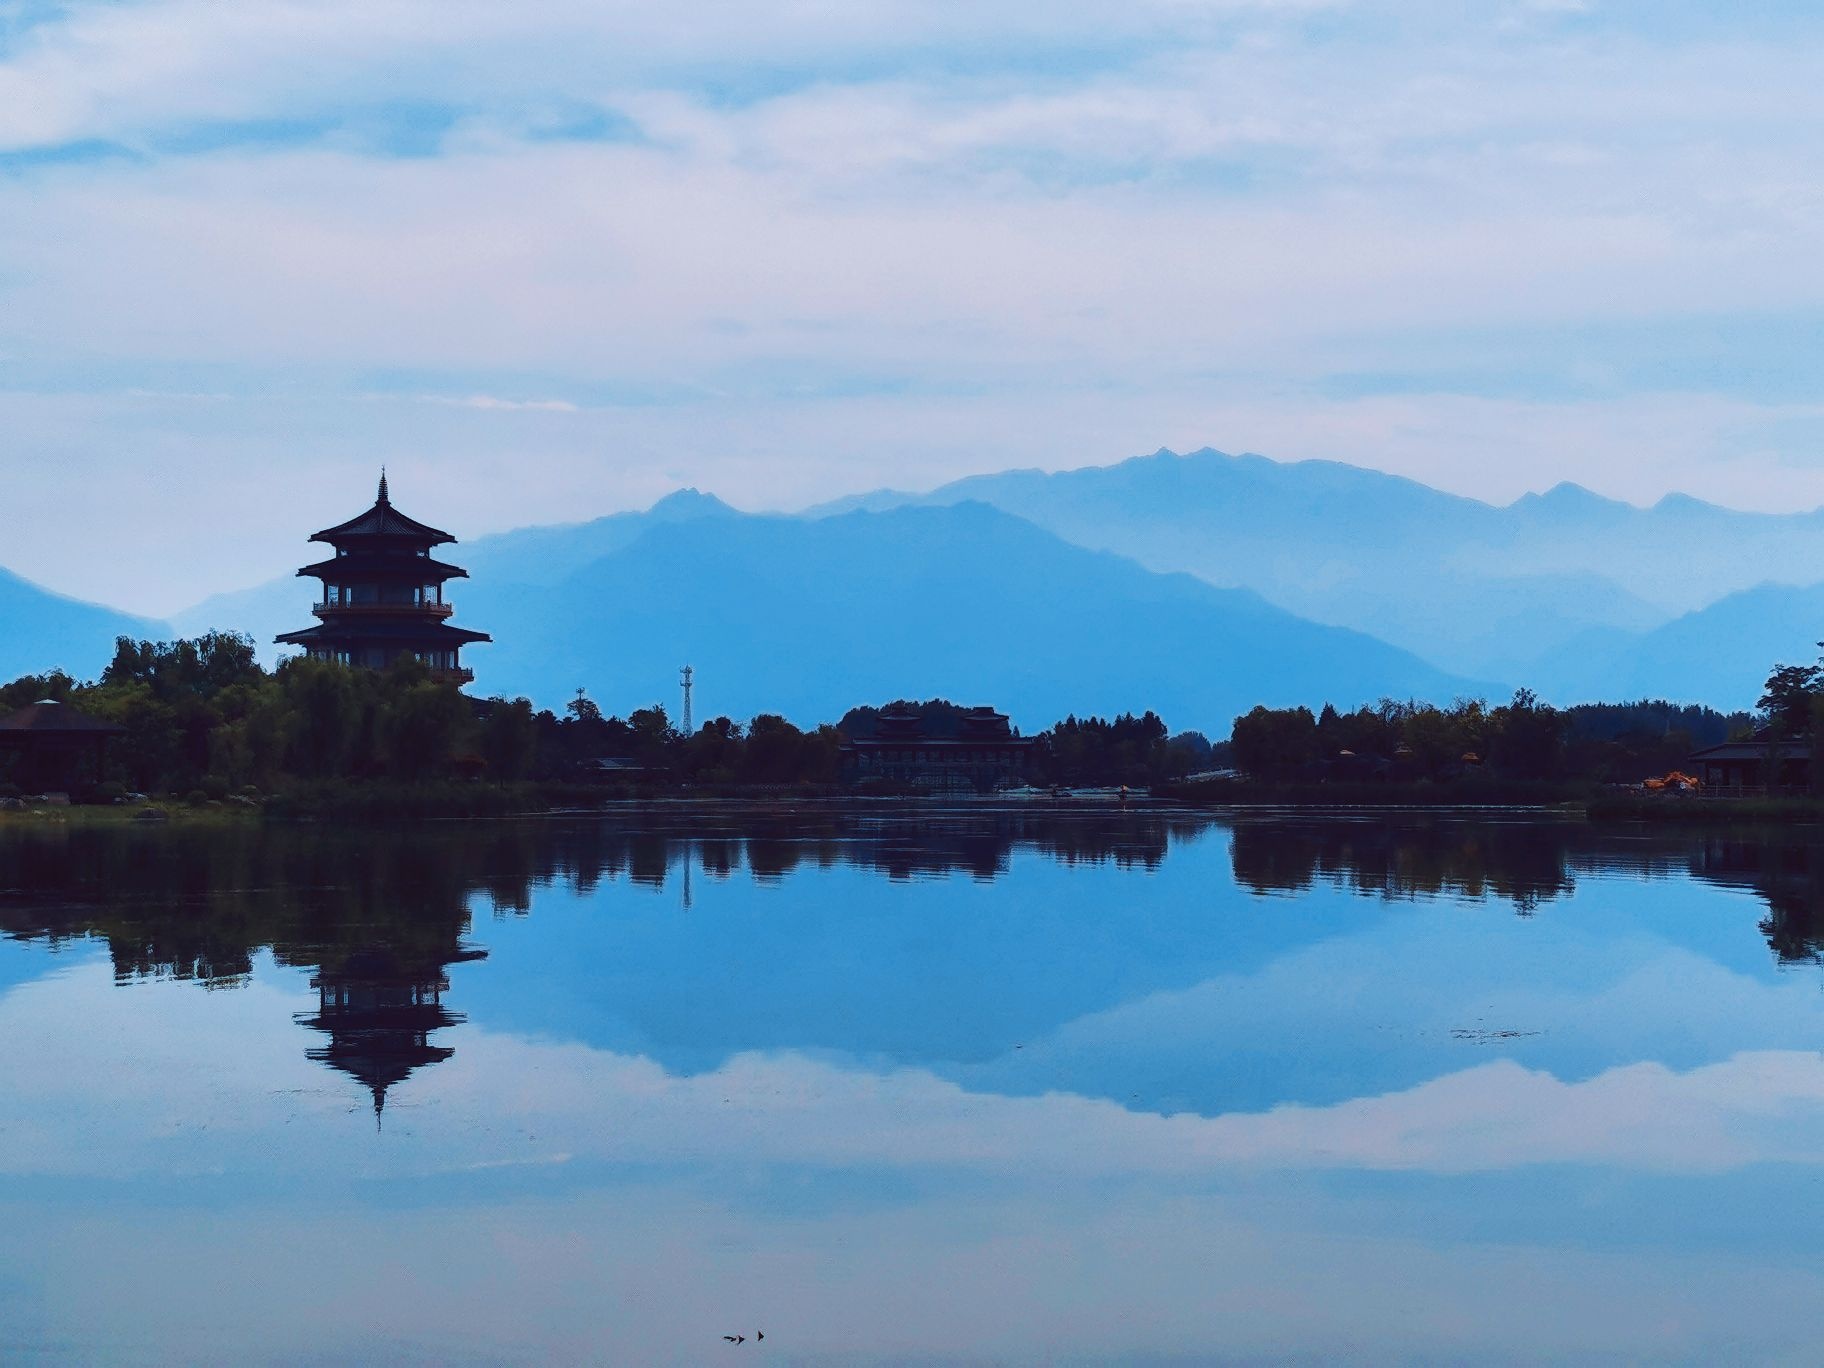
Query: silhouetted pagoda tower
383	595
379	1012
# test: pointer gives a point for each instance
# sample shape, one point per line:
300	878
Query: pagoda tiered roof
401	563
382	596
383	520
406	631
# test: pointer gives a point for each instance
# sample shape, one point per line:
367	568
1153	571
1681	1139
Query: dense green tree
1526	738
509	738
1788	696
324	700
1097	751
774	750
1275	743
426	724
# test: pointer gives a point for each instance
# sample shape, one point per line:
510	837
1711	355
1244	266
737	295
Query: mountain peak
1568	496
1683	503
689	502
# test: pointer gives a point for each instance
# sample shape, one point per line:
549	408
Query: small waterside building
51	740
383	595
1754	765
976	752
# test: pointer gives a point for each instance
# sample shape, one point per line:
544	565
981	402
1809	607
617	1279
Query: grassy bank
338	801
1424	793
1625	807
127	815
1595	802
382	801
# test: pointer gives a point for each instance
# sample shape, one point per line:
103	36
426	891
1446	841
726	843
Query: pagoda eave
383	521
406	633
390	565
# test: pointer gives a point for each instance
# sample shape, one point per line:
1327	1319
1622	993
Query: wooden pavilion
51	740
1758	764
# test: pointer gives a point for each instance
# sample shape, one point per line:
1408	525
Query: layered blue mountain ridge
1566	591
1197	585
41	631
809	617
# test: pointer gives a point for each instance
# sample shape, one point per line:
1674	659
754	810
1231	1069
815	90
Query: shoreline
411	804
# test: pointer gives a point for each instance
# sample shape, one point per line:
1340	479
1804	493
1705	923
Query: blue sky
552	260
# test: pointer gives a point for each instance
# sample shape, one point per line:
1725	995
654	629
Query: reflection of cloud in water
504	1099
791	1110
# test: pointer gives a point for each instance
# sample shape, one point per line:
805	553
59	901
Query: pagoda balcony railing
329	609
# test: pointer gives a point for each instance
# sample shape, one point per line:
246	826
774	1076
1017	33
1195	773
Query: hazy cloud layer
549	261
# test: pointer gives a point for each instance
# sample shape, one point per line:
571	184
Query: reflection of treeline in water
1525	863
199	902
1522	863
1788	874
1530	864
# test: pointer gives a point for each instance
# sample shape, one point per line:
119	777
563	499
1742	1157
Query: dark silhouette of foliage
1788	696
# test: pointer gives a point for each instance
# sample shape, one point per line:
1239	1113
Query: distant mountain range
41	631
808	617
1513	592
527	556
1196	585
811	617
1719	655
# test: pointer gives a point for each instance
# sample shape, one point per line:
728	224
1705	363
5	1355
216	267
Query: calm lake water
961	1086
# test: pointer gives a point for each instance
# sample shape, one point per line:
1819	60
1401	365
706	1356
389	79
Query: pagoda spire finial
383	496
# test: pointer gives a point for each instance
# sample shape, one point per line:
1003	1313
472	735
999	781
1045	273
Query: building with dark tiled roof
383	595
974	751
1757	762
51	741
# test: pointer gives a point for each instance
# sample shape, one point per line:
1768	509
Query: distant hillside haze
1318	518
1206	581
1474	587
528	555
1720	655
810	617
41	631
547	555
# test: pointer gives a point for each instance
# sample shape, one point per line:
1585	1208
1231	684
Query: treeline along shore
203	725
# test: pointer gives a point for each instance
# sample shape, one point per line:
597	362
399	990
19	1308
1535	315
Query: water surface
910	1086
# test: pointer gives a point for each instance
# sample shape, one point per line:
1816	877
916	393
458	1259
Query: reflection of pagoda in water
379	1012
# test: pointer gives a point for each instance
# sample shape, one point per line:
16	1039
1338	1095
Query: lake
911	1085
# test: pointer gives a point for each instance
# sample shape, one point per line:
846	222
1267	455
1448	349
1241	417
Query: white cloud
220	1072
489	403
967	235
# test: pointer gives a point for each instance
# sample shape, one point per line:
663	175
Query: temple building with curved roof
383	595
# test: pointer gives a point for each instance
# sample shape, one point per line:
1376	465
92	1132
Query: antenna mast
684	676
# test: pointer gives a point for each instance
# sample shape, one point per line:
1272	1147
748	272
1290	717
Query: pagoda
383	595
